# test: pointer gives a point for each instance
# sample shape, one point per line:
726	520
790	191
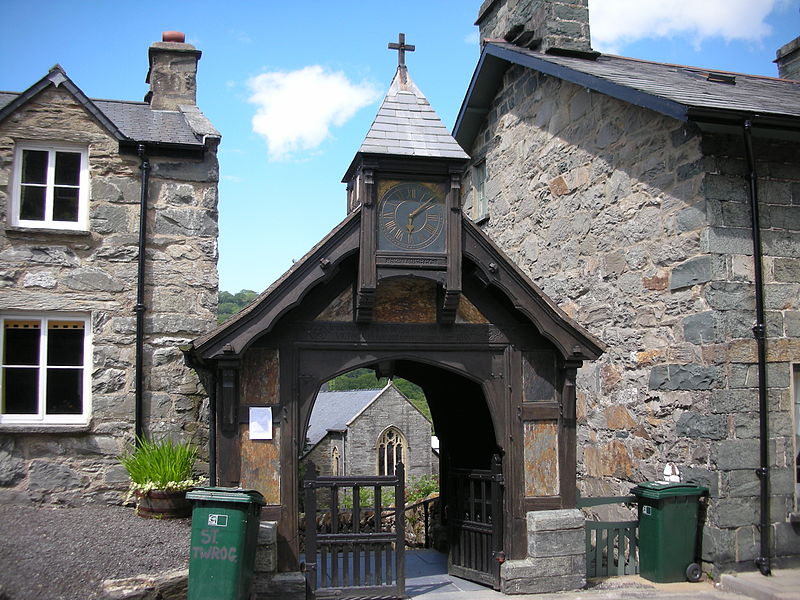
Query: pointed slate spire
407	125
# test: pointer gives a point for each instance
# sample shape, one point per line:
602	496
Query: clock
411	217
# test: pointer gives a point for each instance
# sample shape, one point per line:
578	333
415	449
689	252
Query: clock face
411	217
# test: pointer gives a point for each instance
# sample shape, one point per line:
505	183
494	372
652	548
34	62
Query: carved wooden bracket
365	306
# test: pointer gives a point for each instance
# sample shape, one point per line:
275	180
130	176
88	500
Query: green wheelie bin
224	534
668	530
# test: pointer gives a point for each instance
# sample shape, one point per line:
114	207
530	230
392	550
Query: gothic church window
391	450
336	462
50	187
45	375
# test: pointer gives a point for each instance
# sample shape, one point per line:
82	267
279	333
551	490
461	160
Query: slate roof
406	124
333	411
682	92
128	121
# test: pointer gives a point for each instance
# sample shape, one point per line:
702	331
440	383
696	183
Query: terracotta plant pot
160	504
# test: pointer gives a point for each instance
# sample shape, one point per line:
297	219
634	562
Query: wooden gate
475	522
355	535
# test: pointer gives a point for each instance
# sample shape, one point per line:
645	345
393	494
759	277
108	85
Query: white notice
260	423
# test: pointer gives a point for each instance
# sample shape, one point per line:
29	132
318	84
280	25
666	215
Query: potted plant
161	473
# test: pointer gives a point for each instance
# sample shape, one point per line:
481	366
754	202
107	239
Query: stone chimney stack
537	24
173	72
788	59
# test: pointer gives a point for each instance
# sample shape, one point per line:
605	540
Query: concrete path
427	579
783	584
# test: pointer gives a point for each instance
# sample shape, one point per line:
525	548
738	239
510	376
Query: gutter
140	307
759	332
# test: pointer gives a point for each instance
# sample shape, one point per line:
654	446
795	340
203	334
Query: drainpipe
759	332
140	308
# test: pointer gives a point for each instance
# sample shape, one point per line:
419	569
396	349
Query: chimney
788	59
173	72
537	24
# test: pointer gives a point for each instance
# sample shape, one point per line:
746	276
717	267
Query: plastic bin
668	530
224	534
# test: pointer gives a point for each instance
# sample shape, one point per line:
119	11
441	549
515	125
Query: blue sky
284	149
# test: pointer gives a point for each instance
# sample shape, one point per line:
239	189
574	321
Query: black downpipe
140	308
759	332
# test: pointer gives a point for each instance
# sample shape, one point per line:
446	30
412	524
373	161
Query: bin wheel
694	572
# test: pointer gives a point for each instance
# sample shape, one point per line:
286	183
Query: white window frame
480	203
41	417
82	224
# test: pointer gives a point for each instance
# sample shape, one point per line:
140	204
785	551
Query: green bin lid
666	489
226	494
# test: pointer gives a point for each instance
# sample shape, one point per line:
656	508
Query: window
480	205
45	376
391	449
50	187
336	464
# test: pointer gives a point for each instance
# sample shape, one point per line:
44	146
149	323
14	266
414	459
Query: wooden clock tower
406	179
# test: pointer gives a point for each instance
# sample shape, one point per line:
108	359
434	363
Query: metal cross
401	48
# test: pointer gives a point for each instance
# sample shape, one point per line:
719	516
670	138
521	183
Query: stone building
367	432
108	253
624	188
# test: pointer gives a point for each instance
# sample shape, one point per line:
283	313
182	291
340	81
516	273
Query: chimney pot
173	36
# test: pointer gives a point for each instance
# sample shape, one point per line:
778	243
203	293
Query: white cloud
615	23
472	38
296	109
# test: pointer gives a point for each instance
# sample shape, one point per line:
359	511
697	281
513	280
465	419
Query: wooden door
475	523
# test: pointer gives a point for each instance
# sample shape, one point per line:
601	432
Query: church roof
127	121
682	92
333	411
407	124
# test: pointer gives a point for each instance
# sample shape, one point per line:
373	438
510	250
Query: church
368	432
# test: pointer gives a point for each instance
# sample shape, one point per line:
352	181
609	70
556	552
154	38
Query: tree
364	379
230	304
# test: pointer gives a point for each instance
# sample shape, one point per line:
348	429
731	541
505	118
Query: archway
367	427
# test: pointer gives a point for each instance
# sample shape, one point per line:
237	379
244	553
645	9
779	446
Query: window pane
64	392
65	344
68	168
20	391
32	203
21	343
34	166
65	204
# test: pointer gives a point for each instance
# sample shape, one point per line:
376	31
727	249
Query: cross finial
401	48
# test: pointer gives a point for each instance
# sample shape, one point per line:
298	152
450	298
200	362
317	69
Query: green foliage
230	304
160	465
366	497
421	487
364	379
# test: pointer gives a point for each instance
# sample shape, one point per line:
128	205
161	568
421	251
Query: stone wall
320	454
637	226
95	272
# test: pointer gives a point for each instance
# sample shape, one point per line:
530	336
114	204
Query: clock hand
421	207
415	212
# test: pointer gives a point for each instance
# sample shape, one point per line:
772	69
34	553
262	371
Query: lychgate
407	286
